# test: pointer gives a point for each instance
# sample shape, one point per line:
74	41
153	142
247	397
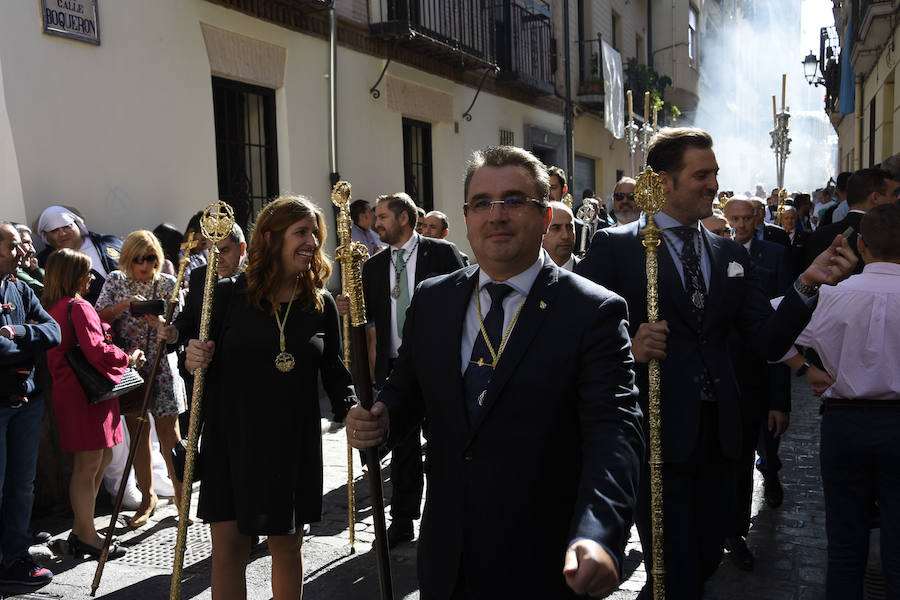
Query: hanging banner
613	91
75	19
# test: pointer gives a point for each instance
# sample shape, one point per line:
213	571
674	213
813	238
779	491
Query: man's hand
818	380
778	422
367	428
832	266
168	333
8	332
343	304
650	341
198	354
589	569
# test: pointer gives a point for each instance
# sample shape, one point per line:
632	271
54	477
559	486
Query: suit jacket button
468	456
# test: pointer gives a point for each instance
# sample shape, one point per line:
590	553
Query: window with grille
246	149
417	171
507	138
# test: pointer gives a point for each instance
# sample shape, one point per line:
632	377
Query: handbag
96	385
131	403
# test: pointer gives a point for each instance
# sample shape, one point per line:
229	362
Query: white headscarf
55	217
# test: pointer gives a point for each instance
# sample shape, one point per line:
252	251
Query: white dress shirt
570	264
856	331
410	254
520	284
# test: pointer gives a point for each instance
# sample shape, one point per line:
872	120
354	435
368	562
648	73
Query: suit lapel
423	260
456	313
717	272
671	287
540	298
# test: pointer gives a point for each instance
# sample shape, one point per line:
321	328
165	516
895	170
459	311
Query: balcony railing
460	32
590	74
526	49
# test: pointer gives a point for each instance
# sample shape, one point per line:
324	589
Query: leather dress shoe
773	492
740	553
400	530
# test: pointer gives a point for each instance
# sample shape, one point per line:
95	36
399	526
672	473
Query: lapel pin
542	305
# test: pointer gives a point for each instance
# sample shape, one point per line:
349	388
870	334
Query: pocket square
735	269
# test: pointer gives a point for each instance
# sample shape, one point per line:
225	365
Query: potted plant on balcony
640	78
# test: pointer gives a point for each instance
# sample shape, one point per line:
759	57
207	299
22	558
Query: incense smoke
741	68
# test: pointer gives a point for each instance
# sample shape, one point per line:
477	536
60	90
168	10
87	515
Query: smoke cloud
741	67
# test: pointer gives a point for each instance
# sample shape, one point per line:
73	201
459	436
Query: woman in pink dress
87	430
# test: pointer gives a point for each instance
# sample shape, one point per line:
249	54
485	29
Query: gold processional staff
215	224
351	256
650	197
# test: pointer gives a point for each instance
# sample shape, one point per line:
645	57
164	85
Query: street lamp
810	66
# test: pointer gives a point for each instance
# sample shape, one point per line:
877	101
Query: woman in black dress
275	329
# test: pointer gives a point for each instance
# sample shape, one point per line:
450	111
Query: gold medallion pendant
284	362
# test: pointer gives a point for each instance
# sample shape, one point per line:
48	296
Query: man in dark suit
767	231
765	389
797	252
866	189
389	281
707	286
558	190
533	453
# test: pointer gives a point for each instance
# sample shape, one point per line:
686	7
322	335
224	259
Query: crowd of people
549	401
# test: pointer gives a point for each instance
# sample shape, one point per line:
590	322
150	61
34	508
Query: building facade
144	112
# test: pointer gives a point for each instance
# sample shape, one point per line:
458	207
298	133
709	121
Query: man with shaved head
559	241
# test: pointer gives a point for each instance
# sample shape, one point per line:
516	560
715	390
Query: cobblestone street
789	542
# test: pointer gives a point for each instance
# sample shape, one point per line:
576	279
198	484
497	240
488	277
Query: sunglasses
621	196
150	258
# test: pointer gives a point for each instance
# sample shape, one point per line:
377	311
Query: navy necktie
478	373
693	275
695	286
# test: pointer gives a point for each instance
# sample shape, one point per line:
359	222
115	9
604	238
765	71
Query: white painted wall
125	131
12	206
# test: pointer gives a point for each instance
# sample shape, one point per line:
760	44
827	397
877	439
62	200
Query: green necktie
403	285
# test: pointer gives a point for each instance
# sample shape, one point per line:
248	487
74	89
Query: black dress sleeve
335	376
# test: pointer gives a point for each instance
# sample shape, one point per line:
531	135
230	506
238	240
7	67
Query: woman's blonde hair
63	274
138	244
264	263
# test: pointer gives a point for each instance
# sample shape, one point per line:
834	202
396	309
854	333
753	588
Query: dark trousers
739	516
860	461
20	434
407	479
696	505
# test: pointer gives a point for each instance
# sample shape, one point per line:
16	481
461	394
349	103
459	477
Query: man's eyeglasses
150	258
483	206
621	196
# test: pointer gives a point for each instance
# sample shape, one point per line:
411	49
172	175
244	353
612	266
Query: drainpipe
569	117
332	95
858	124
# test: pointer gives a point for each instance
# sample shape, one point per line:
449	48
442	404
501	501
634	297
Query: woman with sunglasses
139	278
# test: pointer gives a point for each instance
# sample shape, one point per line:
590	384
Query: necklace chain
282	322
495	356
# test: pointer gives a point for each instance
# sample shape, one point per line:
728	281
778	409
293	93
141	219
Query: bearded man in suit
708	286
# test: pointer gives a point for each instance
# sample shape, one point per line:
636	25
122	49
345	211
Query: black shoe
740	553
79	549
40	537
401	530
773	492
25	571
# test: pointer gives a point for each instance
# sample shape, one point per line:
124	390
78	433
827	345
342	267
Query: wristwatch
803	369
806	290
